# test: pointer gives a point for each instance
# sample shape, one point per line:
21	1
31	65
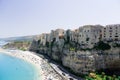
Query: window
110	30
87	39
95	36
104	30
110	33
116	36
110	27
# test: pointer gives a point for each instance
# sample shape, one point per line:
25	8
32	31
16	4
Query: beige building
57	34
111	32
75	35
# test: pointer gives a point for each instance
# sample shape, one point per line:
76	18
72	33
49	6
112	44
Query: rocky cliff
80	60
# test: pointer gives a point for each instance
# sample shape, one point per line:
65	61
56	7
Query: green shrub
47	44
72	49
102	76
102	46
86	49
116	45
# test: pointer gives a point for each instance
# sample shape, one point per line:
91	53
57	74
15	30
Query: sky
30	17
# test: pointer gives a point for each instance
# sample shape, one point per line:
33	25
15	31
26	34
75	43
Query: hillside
22	45
20	38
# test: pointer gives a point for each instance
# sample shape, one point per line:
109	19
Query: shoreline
45	72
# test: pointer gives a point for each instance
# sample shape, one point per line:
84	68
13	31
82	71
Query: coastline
45	72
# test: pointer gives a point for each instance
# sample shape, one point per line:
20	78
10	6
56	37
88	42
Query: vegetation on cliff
102	46
102	76
116	45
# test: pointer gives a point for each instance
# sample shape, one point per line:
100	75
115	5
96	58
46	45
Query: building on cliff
89	35
44	38
56	34
111	32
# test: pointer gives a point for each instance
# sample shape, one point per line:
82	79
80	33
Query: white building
75	34
111	32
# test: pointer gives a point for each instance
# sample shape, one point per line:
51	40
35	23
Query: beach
45	71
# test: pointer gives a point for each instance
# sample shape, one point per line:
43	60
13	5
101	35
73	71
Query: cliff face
78	60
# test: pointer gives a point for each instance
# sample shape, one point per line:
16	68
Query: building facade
111	32
87	35
57	34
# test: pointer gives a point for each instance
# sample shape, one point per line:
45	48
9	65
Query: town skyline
76	28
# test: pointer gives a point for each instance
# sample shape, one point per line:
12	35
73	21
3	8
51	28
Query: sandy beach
45	71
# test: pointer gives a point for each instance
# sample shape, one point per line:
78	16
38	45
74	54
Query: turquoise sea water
12	68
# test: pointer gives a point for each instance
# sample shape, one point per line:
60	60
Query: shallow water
12	68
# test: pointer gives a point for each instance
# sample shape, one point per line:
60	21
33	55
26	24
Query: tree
39	41
102	46
47	44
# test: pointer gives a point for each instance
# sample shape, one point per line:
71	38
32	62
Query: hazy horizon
31	17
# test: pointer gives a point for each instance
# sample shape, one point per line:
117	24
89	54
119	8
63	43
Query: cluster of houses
86	35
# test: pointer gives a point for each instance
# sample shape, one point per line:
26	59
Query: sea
12	68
